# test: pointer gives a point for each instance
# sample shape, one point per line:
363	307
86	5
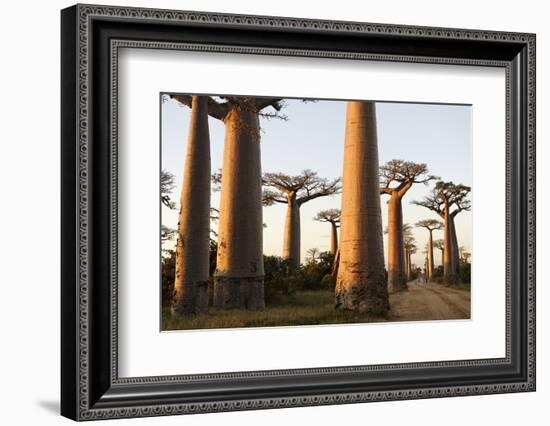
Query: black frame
90	387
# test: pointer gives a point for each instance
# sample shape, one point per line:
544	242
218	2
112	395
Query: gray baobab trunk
361	280
192	249
239	276
291	243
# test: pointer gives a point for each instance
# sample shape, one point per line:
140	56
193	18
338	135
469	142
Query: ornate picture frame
91	37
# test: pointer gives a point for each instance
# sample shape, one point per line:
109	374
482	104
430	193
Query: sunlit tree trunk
397	278
192	248
430	265
291	243
333	239
361	281
239	276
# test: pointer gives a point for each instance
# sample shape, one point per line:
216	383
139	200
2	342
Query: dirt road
429	302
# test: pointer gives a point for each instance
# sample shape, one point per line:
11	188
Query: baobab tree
361	278
448	200
166	233
192	247
313	254
331	216
396	178
294	191
440	245
431	225
410	249
167	185
239	275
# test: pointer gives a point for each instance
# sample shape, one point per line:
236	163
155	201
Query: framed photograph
263	212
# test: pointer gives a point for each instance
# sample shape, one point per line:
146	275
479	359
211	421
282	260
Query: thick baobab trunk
397	279
239	276
192	249
291	243
333	239
361	280
430	265
449	264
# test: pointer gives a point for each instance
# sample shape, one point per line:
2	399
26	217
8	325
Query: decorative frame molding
91	37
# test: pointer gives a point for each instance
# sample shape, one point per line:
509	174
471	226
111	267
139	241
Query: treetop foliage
304	187
397	176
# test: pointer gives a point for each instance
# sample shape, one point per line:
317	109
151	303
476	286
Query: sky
312	138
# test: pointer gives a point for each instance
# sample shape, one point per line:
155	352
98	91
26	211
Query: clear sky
312	138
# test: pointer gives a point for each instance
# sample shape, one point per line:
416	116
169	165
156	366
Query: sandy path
429	302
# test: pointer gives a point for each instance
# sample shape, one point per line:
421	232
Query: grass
301	308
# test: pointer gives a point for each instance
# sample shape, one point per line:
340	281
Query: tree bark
192	248
361	281
430	265
239	276
333	239
397	278
291	243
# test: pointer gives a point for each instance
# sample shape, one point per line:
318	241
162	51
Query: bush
465	273
167	275
278	281
328	282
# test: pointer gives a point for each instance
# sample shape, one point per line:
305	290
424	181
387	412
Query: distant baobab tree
440	245
361	278
431	225
331	216
409	245
445	197
294	191
464	255
396	178
238	279
166	233
167	185
313	254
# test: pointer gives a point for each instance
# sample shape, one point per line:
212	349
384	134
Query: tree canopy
304	187
397	176
330	216
447	195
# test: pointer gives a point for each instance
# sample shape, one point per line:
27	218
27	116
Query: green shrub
465	273
167	275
